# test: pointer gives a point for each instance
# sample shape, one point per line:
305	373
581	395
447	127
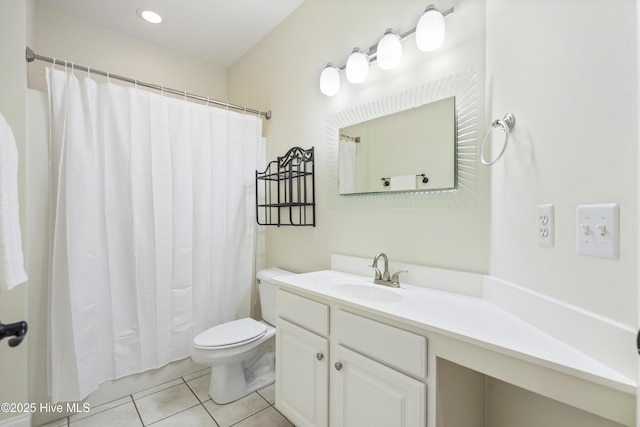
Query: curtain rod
32	56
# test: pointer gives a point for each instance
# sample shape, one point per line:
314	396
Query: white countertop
465	318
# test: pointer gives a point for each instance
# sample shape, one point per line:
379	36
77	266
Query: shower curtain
152	228
347	166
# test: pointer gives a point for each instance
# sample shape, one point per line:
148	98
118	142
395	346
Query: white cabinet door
302	360
366	393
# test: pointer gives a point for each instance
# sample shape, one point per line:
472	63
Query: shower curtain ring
89	72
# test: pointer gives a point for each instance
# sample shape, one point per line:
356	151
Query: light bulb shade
389	50
357	67
430	30
330	80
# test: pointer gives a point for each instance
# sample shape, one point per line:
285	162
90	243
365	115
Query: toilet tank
267	289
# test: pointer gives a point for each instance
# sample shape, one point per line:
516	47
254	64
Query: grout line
169	416
249	416
136	408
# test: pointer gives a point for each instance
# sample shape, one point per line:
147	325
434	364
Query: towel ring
507	123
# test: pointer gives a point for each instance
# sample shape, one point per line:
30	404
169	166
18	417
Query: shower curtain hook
185	96
135	83
245	111
54	64
108	78
207	101
161	90
227	105
89	72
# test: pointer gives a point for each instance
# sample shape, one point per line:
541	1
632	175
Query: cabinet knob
319	356
338	366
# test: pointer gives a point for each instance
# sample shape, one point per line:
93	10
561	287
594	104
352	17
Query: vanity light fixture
389	50
429	31
149	16
357	66
330	80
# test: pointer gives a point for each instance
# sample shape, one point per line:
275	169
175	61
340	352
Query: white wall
13	306
281	73
568	72
69	38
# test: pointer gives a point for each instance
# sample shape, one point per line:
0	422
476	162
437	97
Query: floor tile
197	374
194	417
200	386
164	403
157	388
93	410
266	418
121	416
63	422
231	413
269	393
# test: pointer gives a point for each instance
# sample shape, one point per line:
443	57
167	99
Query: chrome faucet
385	278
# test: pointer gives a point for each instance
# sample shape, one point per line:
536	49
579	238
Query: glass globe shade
330	80
430	30
389	50
357	67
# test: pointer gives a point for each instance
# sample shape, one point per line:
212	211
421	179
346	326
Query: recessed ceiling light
149	16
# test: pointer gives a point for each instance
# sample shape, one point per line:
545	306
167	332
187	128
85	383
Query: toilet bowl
241	353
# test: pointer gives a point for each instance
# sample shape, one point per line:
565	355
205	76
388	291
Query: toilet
241	353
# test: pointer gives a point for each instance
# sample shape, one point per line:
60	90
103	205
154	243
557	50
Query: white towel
403	182
11	260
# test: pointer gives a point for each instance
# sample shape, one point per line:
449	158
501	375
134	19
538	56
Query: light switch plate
545	225
597	230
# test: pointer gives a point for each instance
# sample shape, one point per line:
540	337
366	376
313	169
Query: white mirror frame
464	87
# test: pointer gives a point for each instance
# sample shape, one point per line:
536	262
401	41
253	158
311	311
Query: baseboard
603	339
22	420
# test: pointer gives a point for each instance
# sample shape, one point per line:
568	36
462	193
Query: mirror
463	89
411	150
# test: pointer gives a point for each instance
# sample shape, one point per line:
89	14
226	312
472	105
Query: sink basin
366	292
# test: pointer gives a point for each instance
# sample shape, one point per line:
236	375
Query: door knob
319	356
338	366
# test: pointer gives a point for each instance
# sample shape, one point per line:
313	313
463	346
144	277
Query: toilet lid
234	332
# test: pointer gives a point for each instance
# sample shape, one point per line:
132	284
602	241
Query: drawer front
390	345
304	312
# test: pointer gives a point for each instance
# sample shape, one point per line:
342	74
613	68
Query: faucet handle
395	278
377	272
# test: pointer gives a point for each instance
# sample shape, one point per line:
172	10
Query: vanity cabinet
302	370
357	372
367	393
302	360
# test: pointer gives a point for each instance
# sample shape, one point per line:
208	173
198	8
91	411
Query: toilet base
233	380
229	383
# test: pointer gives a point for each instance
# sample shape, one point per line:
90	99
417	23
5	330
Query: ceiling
218	31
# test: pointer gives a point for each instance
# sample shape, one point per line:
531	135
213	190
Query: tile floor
183	402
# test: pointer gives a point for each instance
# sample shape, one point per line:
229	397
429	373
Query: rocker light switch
597	232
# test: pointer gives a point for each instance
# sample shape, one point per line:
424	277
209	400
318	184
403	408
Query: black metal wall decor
285	191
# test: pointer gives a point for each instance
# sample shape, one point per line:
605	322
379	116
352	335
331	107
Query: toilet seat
230	334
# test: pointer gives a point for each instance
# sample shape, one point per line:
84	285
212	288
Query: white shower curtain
152	228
